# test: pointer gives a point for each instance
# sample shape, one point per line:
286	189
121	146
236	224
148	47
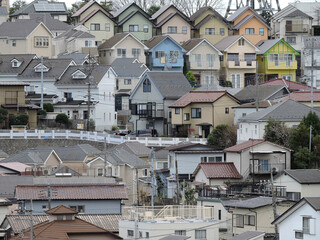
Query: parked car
122	132
145	133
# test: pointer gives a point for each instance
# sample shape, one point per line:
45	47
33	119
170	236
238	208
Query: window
218	159
204	159
172	29
177	110
160	54
197	59
14	43
208	80
180	232
107	27
174	56
196	112
121	52
306	225
234	57
145	172
274	58
11	97
287	77
239	220
100	171
88	43
298	235
219	214
222	31
261	31
288	58
241	42
292	40
249	58
44	206
147	86
97	43
226	110
209	31
133	28
69	217
95	27
249	220
15	63
136	52
41	42
210	59
79	208
249	31
130	233
184	30
60	217
127	82
201	234
147	234
236	80
294	196
79	75
145	28
140	234
186	116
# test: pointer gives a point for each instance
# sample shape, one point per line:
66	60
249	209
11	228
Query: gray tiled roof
160	11
314	202
19	29
247	18
152	42
298	13
113	41
304	176
136	148
289	111
226	42
191	43
9	183
65	169
73	33
171	15
247	235
122	9
130	15
237	13
3	154
175	237
49	21
6	65
126	67
79	58
251	203
3	11
30	156
199	12
265	45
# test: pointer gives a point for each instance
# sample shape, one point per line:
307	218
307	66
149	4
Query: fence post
95	136
122	139
146	141
11	134
67	134
108	138
53	136
39	134
81	135
88	135
160	142
25	134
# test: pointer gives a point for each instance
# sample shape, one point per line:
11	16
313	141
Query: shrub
48	107
19	119
62	118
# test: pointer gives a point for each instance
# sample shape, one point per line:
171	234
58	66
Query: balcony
242	64
158	62
261	168
272	65
156	113
297	28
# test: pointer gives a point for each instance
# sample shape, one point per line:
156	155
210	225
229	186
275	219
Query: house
3	15
63	222
5	205
58	10
131	18
299	183
93	198
304	97
164	54
289	112
310	49
197	113
262	93
209	24
73	86
249	235
13	168
301	221
161	157
151	98
5	3
121	45
78	58
159	222
247	22
136	148
268	158
239	61
12	98
203	59
170	21
26	36
292	86
277	59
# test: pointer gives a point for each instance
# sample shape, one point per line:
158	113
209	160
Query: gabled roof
218	170
262	104
298	13
227	42
251	143
209	17
265	45
304	176
128	67
292	86
136	148
191	44
304	96
238	13
14	166
192	147
93	13
133	13
175	237
3	154
6	64
200	12
156	40
88	5
201	97
163	9
61	210
51	23
286	111
249	235
247	19
75	34
19	29
125	7
79	58
112	42
170	16
29	156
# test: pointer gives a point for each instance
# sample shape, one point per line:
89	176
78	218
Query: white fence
94	136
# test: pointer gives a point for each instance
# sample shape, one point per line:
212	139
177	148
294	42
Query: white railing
94	136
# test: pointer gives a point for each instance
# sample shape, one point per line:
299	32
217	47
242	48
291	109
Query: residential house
164	54
151	98
13	168
277	59
197	113
249	235
136	148
304	97
170	21
161	222
203	59
5	205
289	112
121	45
35	98
161	157
12	98
88	198
239	61
301	221
259	158
3	15
63	222
26	36
262	93
73	86
247	22
128	71
131	18
299	183
311	49
58	10
292	86
79	58
209	24
256	214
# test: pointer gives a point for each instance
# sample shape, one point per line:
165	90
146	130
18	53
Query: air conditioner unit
275	169
63	99
45	172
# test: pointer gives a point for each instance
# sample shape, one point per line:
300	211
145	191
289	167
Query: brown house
12	98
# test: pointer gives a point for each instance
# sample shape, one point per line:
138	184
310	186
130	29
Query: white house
301	221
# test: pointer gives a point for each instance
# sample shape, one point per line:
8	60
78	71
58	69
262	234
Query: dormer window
79	75
147	86
38	68
15	63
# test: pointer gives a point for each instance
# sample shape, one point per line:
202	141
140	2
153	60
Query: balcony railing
242	64
282	65
157	113
297	28
261	168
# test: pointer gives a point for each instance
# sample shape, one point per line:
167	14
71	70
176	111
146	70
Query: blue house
164	54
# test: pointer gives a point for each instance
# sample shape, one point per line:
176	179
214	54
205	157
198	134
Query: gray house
151	98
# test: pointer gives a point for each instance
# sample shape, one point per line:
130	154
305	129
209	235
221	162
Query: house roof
249	235
304	96
3	11
298	13
6	64
265	45
29	156
117	38
13	83
15	166
38	95
304	176
162	10
161	154
288	111
192	147
93	13
75	34
171	15
227	42
18	29
154	41
217	170
79	58
238	13
250	143
247	19
128	67
200	97
72	192
292	86
200	12
65	169
209	17
125	7
252	203
3	154
130	15
136	148
175	237
60	210
194	42
83	8
51	23
262	104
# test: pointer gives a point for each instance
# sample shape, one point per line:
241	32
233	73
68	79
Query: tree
312	119
17	5
222	136
107	5
19	119
277	132
62	118
153	9
3	115
74	7
191	78
303	158
48	107
266	16
299	137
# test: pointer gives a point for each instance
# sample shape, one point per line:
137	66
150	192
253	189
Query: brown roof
218	170
191	43
15	166
107	191
304	96
152	42
88	5
250	143
113	41
200	97
13	83
292	86
61	209
262	104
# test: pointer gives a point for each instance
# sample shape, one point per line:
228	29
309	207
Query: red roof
304	96
61	209
251	142
15	166
198	97
219	170
292	86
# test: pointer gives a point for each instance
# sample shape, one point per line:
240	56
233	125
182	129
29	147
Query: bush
19	119
62	118
3	115
42	113
223	136
191	78
48	107
114	128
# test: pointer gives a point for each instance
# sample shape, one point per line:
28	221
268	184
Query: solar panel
49	7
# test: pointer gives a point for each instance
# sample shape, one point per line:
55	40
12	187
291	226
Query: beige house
203	59
28	36
121	45
239	61
199	112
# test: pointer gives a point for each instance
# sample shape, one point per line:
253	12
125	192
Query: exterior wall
307	64
121	85
88	11
293	223
19	89
165	14
220	116
52	160
256	37
139	20
242	16
178	22
241	112
125	13
201	177
4	210
216	24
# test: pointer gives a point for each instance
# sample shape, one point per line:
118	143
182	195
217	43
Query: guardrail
94	136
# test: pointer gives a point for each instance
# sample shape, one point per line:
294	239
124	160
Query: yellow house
277	59
209	24
199	112
239	61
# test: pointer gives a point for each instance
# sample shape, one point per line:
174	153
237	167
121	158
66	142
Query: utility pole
274	204
152	180
31	219
183	191
257	86
49	197
105	156
137	181
312	62
90	81
41	104
177	180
